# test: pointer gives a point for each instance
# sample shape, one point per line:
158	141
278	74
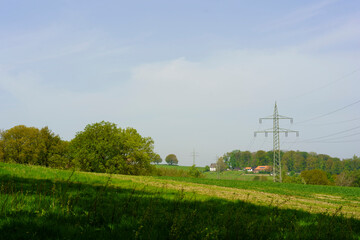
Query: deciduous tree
157	159
171	159
30	145
220	165
103	147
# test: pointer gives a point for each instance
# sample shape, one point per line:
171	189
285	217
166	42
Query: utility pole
194	154
276	130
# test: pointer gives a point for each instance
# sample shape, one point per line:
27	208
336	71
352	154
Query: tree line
100	147
314	168
292	161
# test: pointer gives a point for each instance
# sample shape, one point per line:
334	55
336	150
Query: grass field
186	168
231	175
43	203
236	175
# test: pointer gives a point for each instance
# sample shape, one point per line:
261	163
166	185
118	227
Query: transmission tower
194	155
276	130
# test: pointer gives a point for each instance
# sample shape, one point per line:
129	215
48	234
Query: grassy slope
41	203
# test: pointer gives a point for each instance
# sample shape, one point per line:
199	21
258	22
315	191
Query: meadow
180	171
43	203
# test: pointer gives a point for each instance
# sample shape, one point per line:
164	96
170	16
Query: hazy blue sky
189	74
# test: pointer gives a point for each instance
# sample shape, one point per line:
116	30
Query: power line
330	135
330	83
332	123
347	141
326	114
251	144
346	136
333	134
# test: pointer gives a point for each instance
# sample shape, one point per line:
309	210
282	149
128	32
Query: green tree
157	159
299	162
356	176
245	159
315	176
345	178
288	160
103	147
22	144
171	159
262	158
337	166
138	151
55	151
352	163
220	164
312	163
30	145
233	159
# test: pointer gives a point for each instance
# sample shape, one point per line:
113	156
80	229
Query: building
248	169
213	167
262	169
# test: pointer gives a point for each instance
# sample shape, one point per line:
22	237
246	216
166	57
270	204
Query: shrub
315	176
194	172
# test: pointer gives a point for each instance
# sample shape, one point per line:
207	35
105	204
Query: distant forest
292	161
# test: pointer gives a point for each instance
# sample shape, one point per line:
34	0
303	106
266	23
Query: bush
315	177
194	172
293	179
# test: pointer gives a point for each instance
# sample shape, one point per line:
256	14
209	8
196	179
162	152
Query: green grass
350	193
181	171
185	168
236	175
42	203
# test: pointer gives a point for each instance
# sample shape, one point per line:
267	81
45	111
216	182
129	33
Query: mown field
231	175
43	203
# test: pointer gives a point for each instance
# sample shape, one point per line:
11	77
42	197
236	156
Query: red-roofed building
262	169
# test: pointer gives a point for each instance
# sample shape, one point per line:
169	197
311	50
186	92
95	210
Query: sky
195	76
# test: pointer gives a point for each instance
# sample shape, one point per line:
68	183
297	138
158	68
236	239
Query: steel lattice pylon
276	130
276	147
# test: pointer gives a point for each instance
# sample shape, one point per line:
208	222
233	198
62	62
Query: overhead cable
326	114
329	83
